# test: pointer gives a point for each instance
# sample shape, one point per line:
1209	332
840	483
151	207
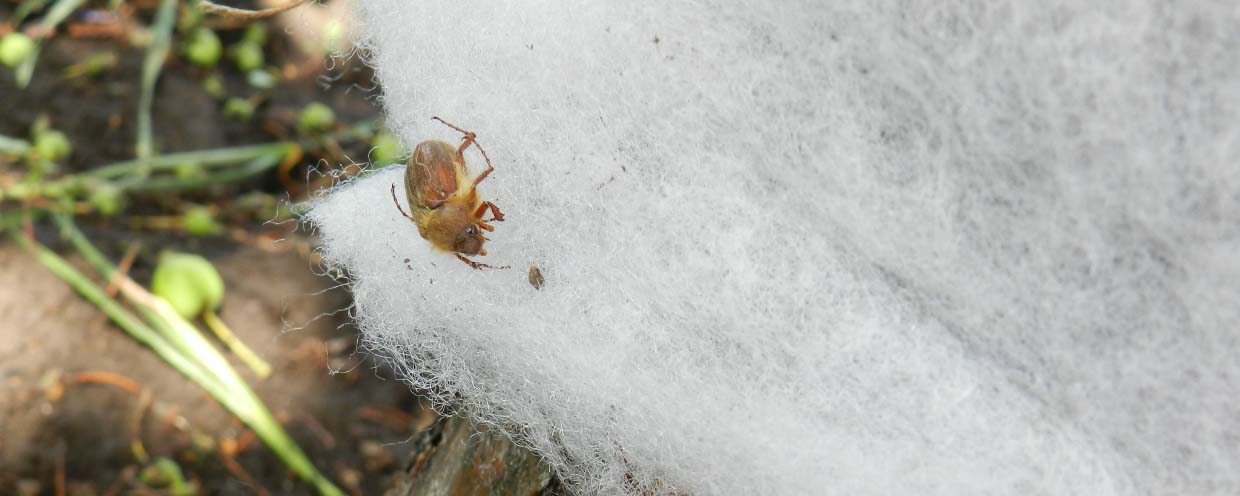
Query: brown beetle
444	199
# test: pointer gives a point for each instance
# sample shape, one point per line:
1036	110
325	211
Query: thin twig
110	378
239	472
123	480
245	15
60	468
123	268
145	399
236	345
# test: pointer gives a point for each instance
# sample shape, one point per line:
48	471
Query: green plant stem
24	9
129	176
236	395
206	159
124	175
54	16
165	19
59	13
13	146
122	317
232	175
236	345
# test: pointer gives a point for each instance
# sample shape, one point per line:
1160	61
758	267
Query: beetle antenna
397	202
449	124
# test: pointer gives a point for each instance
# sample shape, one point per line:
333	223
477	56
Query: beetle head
469	241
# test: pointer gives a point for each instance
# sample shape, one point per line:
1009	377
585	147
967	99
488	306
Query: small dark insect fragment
536	277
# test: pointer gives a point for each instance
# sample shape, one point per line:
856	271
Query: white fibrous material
824	247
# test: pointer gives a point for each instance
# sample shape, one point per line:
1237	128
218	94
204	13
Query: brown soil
353	424
60	427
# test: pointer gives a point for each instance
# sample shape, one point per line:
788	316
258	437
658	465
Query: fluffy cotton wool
825	247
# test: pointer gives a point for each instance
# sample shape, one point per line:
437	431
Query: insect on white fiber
825	247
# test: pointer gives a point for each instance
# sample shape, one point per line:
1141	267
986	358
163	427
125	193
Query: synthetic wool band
824	247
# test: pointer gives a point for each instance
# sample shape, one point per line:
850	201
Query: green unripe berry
316	118
213	86
248	56
203	48
51	145
166	474
190	17
255	33
189	282
334	37
386	150
199	221
15	48
108	200
238	108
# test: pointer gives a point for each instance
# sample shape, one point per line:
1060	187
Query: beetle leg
482	209
479	265
470	139
496	215
397	202
486	227
485	173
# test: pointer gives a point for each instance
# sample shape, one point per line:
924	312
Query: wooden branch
457	457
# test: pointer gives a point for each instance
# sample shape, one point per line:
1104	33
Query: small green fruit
51	145
316	118
213	86
190	17
15	48
255	33
189	282
203	48
199	221
248	56
108	200
334	37
238	108
386	150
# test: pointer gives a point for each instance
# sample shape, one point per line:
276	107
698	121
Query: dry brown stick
234	13
123	268
109	378
122	481
60	469
239	472
145	400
